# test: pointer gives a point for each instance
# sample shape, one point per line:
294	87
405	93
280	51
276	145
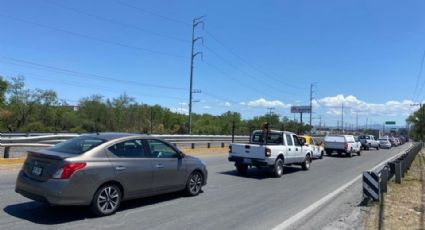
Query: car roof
113	136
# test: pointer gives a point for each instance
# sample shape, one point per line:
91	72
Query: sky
256	55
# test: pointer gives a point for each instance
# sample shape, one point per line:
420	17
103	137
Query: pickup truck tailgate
248	151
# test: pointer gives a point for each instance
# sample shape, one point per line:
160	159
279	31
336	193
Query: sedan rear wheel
194	184
106	200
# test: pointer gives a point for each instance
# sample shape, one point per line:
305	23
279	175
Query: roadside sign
390	122
301	109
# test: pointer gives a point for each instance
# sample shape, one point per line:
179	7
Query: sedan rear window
77	145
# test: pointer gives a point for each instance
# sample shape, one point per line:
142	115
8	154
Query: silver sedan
101	170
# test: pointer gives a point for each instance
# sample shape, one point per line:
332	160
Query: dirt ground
404	204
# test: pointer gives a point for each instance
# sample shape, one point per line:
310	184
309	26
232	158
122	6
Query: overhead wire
113	21
91	75
99	39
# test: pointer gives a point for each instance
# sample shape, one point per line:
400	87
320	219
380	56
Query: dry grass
403	206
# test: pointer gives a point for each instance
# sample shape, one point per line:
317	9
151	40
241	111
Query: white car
270	150
385	143
342	144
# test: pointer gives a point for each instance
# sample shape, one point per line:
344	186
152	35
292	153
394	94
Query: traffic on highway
212	115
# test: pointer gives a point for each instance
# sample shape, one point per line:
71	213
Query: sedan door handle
160	166
120	168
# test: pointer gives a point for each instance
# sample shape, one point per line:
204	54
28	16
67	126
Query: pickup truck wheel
377	148
359	153
242	169
328	153
349	153
278	168
321	155
306	164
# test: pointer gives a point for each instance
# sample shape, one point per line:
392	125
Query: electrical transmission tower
193	54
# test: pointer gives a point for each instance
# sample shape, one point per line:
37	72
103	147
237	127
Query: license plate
247	161
37	170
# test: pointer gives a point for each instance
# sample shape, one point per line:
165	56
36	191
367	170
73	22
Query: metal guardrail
377	182
10	140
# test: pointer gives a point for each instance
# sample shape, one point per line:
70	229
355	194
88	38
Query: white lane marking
287	223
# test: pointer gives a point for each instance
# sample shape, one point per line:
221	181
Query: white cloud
206	107
180	110
351	103
265	103
227	104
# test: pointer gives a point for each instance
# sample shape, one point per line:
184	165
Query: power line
151	13
81	74
246	73
88	86
113	21
419	75
117	43
242	83
249	64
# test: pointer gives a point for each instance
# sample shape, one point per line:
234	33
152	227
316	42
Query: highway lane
229	201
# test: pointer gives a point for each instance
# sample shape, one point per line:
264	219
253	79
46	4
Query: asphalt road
229	201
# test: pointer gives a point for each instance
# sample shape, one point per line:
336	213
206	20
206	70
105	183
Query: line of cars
102	170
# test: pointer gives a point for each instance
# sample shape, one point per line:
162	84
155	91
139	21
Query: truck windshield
272	138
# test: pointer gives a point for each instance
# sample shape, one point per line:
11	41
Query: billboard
301	109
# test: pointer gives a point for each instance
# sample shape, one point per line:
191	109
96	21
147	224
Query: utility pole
270	113
311	101
195	22
342	117
357	121
320	121
421	119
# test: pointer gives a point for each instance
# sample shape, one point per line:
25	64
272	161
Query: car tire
306	164
194	184
321	155
242	169
278	168
349	154
378	147
359	153
106	200
328	153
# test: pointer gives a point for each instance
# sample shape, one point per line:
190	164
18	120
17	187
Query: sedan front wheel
194	184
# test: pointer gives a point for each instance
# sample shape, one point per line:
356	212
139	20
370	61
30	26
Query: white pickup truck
342	144
272	150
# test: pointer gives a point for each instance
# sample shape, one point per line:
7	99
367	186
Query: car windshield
77	145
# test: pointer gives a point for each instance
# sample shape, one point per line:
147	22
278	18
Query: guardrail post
6	152
222	144
208	145
398	172
384	179
193	145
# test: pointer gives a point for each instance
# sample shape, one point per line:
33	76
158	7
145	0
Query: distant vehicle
103	170
393	141
270	150
314	144
385	143
368	142
342	144
397	141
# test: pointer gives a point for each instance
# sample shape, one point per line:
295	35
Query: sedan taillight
66	171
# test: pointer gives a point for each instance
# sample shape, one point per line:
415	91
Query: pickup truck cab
369	141
271	150
342	144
